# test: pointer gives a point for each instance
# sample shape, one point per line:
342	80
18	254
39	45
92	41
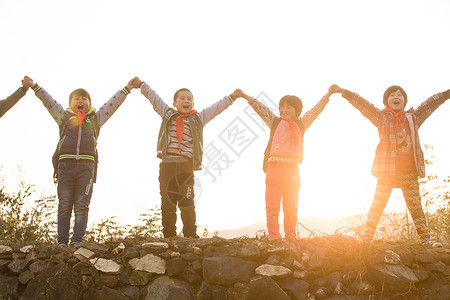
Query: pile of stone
217	268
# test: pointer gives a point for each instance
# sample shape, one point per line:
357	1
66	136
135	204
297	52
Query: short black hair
181	90
391	90
292	101
80	92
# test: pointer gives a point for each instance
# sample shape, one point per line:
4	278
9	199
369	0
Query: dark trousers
176	182
75	183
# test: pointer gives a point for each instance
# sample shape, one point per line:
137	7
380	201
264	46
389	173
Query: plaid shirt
384	164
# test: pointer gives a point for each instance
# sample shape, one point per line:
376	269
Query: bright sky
267	49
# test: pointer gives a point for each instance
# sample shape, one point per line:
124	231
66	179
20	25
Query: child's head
183	101
290	107
80	100
395	98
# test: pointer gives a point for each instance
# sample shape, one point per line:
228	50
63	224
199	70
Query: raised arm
12	99
54	108
155	100
429	106
215	109
109	108
366	108
314	112
263	111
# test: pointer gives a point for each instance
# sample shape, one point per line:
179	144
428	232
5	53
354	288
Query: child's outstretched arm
429	106
109	108
215	109
366	108
155	100
263	111
314	112
12	99
54	108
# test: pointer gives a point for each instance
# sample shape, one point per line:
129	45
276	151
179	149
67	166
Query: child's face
287	111
79	102
184	102
396	101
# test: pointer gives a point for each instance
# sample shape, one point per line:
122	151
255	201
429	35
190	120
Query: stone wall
332	267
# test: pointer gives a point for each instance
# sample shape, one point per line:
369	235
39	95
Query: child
79	126
283	154
9	102
180	147
399	158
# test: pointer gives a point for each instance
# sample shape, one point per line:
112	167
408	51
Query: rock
152	264
139	277
156	246
362	287
175	266
132	252
436	267
205	292
334	282
109	281
273	271
5	249
133	263
4	264
26	276
183	246
390	257
9	286
296	289
58	282
299	274
98	249
198	251
19	265
46	251
273	259
427	257
104	293
265	288
26	249
214	241
249	251
447	271
227	270
190	256
392	278
226	250
107	266
83	254
422	275
131	291
119	249
190	276
297	265
317	259
407	258
197	265
165	288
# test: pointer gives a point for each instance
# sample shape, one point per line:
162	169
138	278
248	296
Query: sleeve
11	100
429	106
215	109
54	108
263	111
314	112
366	108
109	108
158	104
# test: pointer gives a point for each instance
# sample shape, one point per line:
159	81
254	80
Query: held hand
27	82
335	89
238	93
136	82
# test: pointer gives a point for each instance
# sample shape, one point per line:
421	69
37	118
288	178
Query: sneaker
62	245
432	244
75	244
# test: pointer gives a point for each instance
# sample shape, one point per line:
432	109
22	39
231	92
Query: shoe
432	244
74	244
62	245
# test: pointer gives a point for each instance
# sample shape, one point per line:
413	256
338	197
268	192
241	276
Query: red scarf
397	118
81	114
295	131
180	126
